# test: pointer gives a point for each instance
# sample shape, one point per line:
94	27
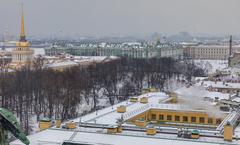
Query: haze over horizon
121	17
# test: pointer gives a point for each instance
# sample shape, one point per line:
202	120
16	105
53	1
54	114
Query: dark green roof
11	124
195	131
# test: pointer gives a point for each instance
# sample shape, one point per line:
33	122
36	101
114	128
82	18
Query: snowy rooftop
62	64
155	101
221	84
215	46
202	93
99	136
109	115
76	60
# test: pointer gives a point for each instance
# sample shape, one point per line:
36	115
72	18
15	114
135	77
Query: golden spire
22	34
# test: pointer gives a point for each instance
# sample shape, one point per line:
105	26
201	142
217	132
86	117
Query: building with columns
22	55
211	52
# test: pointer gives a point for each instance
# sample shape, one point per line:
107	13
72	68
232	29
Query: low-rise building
120	50
231	88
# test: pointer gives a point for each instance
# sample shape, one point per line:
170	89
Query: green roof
195	131
12	125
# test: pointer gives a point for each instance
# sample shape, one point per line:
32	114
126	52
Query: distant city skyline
65	18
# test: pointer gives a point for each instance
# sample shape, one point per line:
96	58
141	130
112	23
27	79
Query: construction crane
9	123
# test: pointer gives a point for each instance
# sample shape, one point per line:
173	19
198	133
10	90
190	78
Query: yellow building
22	55
45	124
175	113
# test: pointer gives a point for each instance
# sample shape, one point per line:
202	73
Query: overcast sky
121	17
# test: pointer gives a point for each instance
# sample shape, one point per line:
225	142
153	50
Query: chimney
228	132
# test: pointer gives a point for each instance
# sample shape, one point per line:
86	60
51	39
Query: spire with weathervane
22	55
22	34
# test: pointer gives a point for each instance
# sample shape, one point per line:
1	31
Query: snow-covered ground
108	116
219	84
99	136
34	124
212	65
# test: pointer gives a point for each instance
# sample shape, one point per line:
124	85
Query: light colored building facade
22	55
174	52
212	52
146	51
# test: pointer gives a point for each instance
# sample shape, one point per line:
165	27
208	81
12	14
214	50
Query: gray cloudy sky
121	17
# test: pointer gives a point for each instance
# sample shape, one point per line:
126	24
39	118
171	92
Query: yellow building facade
45	124
178	116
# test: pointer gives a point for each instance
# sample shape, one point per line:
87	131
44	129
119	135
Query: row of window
209	52
185	119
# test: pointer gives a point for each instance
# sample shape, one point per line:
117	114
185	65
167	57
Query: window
185	118
201	119
218	121
177	118
193	119
153	116
210	120
169	117
161	117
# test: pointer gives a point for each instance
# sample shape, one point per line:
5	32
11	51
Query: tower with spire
22	55
22	34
